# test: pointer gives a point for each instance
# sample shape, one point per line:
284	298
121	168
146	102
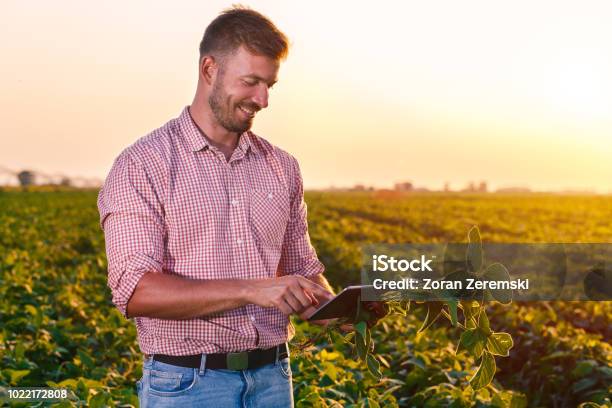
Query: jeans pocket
168	381
284	367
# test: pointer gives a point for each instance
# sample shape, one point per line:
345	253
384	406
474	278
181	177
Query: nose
261	97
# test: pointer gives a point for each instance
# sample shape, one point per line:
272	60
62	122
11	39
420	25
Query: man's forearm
164	296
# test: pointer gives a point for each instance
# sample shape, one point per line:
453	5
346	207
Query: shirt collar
196	140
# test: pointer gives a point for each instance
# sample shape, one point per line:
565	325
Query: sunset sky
515	93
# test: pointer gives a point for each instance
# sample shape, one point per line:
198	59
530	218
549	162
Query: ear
208	69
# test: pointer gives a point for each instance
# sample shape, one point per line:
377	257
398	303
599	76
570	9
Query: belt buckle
237	361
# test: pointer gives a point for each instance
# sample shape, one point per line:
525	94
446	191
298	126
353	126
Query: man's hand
378	310
290	294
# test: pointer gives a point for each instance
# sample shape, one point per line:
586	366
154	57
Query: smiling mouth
249	112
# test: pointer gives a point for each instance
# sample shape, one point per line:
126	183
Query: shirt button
239	241
252	318
270	195
234	202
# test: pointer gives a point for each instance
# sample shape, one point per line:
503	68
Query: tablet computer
343	304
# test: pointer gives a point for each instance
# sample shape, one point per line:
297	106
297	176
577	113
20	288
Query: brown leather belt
231	361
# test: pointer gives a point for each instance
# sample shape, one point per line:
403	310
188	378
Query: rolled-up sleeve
131	216
298	255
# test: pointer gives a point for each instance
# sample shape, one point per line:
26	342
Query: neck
204	118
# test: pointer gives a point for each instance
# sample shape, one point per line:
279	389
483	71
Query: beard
226	112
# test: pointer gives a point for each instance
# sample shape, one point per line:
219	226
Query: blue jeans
166	385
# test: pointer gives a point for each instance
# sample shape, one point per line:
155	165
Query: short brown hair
238	26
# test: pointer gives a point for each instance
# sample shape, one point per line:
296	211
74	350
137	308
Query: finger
313	287
347	327
284	307
323	322
312	298
295	304
300	295
371	306
379	308
378	311
306	313
328	296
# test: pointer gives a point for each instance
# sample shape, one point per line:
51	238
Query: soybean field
58	327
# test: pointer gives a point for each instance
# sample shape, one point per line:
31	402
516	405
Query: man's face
241	89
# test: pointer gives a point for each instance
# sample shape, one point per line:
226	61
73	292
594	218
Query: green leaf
455	258
348	337
417	361
326	381
15	375
500	344
360	343
483	323
518	400
100	400
91	383
434	309
556	354
498	272
331	370
374	366
86	359
398	307
70	382
597	283
606	371
470	309
583	384
362	313
485	373
452	308
19	351
370	402
31	310
474	251
590	405
474	341
329	356
509	399
36	314
361	328
583	368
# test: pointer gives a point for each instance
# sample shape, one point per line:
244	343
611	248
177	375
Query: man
206	235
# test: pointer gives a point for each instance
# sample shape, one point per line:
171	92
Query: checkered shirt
173	204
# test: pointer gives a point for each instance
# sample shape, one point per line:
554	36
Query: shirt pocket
270	211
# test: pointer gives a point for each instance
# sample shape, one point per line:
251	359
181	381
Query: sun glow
515	93
581	87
